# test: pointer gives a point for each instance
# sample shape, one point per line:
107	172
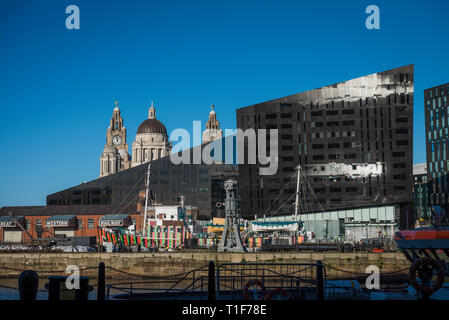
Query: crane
34	242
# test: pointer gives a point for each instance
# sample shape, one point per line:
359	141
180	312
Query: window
402	131
90	223
80	224
401	120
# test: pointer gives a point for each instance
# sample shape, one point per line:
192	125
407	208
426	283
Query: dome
109	149
152	126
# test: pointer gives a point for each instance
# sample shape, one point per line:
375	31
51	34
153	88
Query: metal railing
192	281
234	281
298	280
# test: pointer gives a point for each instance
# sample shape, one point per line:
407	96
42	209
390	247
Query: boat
427	249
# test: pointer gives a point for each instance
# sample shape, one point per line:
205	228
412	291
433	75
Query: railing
234	281
196	282
298	280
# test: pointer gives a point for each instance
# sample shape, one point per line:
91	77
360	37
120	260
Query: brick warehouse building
354	138
75	221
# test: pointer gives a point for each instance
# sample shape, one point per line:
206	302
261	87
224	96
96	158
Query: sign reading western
57	223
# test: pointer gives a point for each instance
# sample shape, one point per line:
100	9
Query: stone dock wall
126	265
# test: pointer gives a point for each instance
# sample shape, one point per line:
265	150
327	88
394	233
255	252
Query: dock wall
125	265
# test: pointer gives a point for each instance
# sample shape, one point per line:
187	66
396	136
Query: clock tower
115	155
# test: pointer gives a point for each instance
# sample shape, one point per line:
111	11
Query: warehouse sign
8	224
57	223
111	223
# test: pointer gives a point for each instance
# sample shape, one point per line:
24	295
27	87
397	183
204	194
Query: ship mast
147	188
298	168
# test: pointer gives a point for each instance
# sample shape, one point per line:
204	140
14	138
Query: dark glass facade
201	185
353	139
437	144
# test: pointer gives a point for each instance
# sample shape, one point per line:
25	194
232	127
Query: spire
212	123
152	111
116	106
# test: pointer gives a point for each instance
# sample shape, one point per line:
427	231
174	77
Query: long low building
353	223
50	221
202	185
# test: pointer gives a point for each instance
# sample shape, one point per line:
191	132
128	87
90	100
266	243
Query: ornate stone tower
151	141
213	130
115	155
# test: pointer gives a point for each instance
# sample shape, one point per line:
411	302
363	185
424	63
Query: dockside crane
35	243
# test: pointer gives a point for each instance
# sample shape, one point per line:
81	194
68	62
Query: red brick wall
84	231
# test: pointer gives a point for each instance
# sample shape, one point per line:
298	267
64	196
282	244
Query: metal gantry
231	240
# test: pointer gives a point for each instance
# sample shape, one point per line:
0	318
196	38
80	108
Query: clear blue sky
58	86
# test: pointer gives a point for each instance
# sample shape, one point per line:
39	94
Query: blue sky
58	86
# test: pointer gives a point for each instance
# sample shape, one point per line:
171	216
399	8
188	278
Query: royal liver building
115	155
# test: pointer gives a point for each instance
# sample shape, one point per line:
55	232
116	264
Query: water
42	294
9	287
13	294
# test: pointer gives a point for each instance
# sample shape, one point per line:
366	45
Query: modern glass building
437	143
200	184
353	140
